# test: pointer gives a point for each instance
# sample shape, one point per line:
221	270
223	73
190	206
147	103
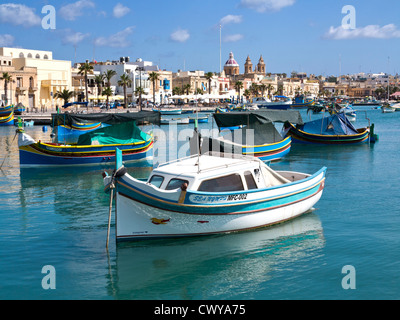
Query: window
45	56
29	55
175	184
156	181
31	84
251	184
21	55
37	56
232	182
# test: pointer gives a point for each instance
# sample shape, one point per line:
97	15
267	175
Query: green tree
187	88
138	92
65	95
108	76
238	87
125	81
108	93
84	69
209	76
7	78
99	79
153	77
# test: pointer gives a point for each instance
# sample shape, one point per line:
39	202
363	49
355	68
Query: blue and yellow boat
7	120
257	135
93	148
333	130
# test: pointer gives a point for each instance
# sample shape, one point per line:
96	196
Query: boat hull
7	120
141	214
269	152
38	154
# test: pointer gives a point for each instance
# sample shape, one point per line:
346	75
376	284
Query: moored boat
93	148
209	194
165	112
335	129
254	134
7	120
166	121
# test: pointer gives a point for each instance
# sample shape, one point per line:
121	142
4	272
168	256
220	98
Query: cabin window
251	183
175	184
156	181
229	183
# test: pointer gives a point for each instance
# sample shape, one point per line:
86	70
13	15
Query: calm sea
58	218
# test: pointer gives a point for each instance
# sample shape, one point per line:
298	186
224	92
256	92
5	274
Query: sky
321	37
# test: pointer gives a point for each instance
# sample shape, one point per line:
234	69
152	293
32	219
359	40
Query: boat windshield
156	181
228	183
175	184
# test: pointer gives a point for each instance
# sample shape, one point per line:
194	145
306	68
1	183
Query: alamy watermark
349	280
349	20
49	280
49	20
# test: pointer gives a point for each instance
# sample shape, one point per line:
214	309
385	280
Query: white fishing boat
209	194
174	121
168	111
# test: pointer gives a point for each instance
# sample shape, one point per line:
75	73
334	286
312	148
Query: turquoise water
59	217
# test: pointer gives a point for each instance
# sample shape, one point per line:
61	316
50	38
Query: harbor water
59	217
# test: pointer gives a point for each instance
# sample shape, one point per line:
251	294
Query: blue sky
292	35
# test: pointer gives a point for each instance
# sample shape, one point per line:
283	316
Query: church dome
231	62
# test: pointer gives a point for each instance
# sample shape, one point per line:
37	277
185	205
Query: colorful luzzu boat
333	130
256	136
209	194
7	120
93	148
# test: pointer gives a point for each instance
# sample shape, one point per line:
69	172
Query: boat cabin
216	174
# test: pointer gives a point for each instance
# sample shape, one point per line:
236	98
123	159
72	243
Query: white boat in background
209	194
166	121
168	111
395	106
262	102
387	109
349	112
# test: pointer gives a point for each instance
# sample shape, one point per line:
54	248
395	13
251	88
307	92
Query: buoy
44	129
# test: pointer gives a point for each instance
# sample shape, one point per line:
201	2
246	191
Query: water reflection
210	267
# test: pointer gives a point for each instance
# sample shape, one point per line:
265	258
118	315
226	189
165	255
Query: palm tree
108	75
84	69
269	88
138	92
238	87
66	95
247	94
125	81
107	92
153	77
209	76
99	79
176	91
7	78
187	88
263	88
254	89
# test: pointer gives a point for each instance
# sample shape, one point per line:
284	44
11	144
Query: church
232	69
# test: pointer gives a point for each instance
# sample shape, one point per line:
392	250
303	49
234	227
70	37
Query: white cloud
266	5
180	35
18	14
233	38
118	40
6	40
230	19
71	37
371	31
120	10
74	10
